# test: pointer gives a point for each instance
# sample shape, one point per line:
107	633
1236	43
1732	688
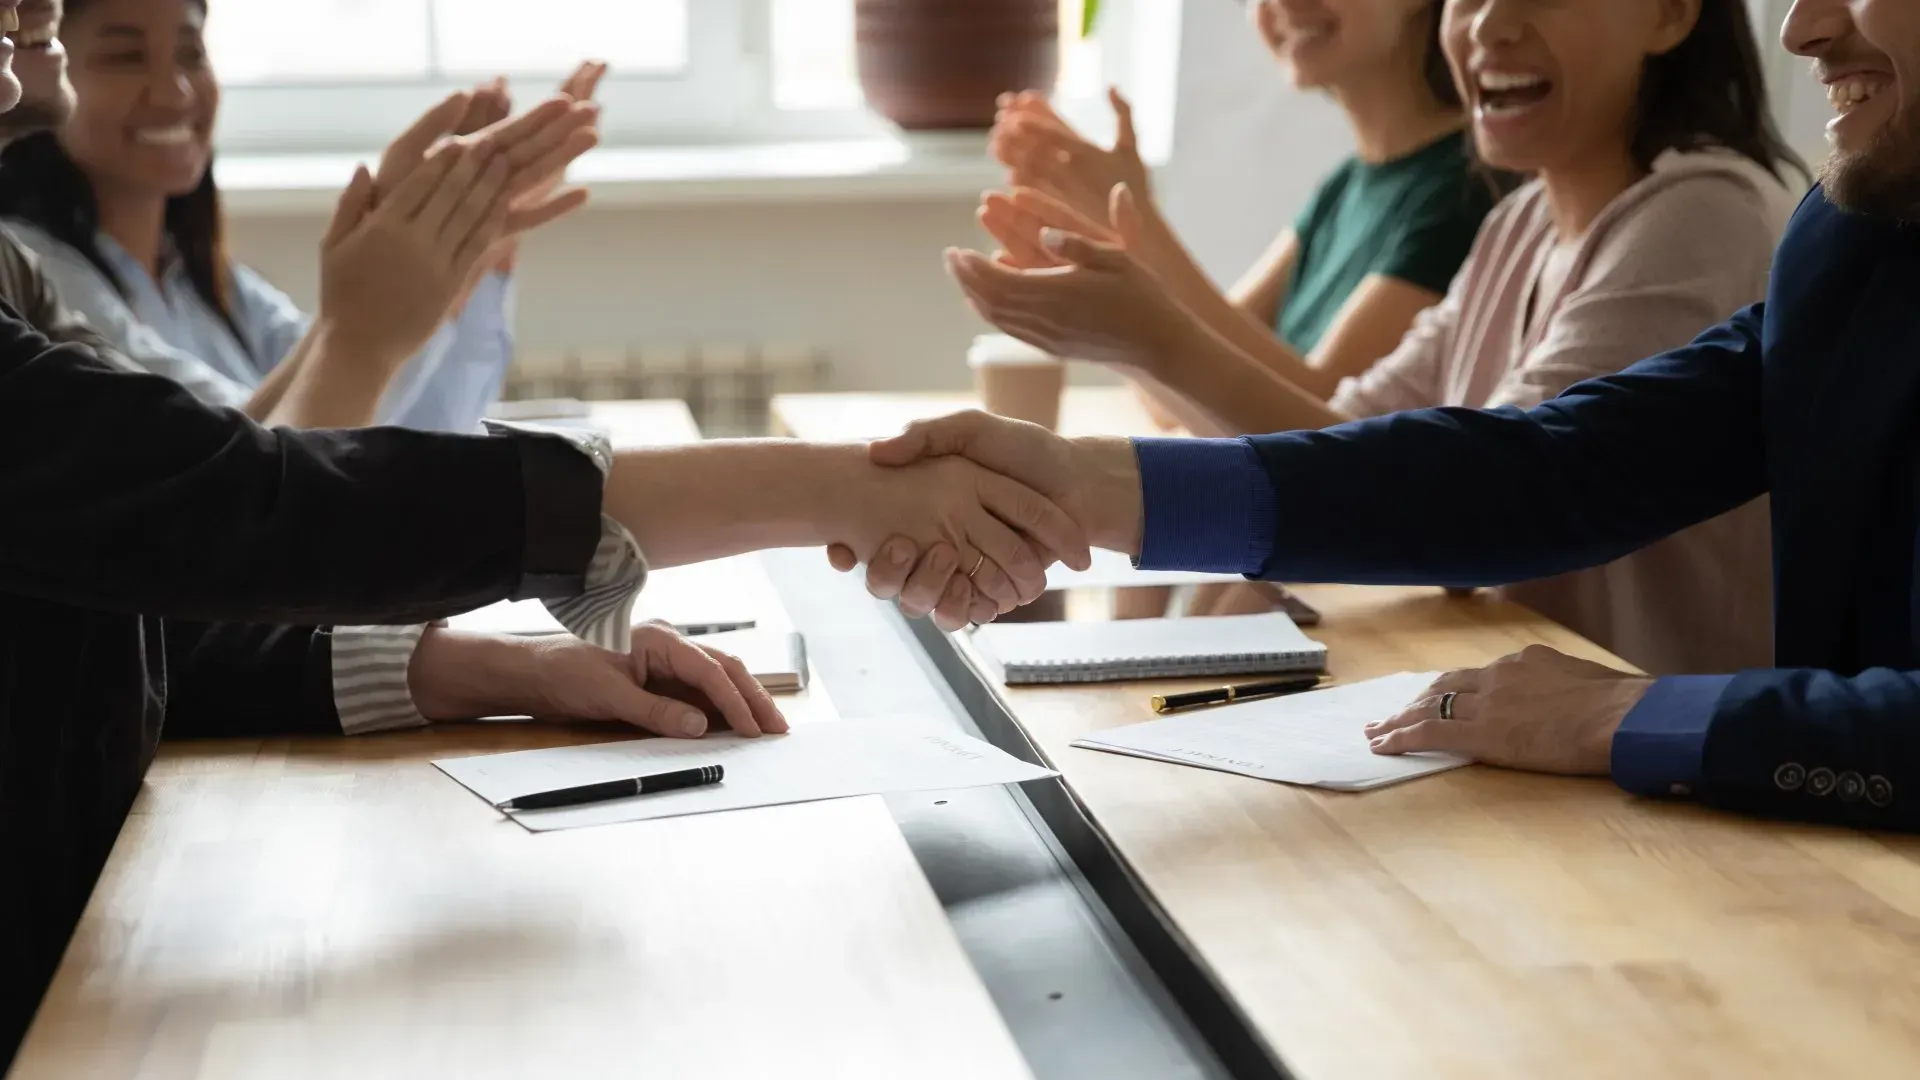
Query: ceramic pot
933	65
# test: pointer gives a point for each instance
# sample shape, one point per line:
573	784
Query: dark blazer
166	563
1810	396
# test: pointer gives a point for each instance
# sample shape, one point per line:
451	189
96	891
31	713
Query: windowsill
893	168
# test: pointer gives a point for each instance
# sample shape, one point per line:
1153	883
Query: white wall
1247	149
863	283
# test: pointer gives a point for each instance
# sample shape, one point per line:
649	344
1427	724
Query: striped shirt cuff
603	612
370	690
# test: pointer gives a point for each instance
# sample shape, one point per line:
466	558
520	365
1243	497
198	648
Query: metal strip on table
1079	970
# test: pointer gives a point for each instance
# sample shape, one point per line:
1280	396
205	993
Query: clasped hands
1538	710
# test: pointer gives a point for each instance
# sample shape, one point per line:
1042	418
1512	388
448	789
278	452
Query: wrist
464	676
1107	498
338	343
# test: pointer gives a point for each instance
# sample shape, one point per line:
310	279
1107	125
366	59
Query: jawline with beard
1883	179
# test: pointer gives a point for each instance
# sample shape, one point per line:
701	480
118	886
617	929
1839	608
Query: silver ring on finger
1446	704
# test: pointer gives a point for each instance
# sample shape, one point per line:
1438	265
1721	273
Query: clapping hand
1042	151
1068	293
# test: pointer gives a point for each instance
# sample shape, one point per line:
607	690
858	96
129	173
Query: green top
1412	218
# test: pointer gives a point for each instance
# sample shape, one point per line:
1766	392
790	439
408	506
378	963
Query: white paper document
1113	570
702	594
1315	739
829	760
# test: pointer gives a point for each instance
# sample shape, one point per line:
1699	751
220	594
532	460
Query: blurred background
756	227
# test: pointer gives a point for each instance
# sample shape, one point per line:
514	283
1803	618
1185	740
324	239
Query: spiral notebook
1127	649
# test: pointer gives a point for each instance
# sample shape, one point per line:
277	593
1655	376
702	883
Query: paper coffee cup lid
1002	349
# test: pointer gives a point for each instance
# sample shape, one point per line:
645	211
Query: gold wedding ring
982	561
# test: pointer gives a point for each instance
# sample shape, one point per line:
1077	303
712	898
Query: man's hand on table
1539	710
668	684
1096	481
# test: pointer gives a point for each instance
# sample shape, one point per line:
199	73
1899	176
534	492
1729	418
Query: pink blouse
1676	253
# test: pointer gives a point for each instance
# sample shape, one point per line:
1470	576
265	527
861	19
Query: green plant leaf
1089	14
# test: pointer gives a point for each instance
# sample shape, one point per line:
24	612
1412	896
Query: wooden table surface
320	908
1492	924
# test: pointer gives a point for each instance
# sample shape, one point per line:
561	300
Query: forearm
333	380
273	389
1189	284
1238	390
456	675
707	501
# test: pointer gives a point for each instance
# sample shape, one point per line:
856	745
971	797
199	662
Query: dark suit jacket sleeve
124	493
249	680
1790	743
1472	497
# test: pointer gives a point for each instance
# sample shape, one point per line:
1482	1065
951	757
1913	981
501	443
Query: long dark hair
1434	67
1711	91
43	186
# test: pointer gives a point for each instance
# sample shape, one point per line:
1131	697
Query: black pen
616	789
1227	695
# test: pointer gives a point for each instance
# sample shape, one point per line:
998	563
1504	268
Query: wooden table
1491	924
336	908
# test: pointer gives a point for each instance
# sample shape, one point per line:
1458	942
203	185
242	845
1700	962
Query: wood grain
337	908
1483	923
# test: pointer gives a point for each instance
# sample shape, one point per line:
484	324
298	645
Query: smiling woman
120	202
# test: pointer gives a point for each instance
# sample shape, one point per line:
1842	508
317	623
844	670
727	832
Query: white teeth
169	136
1846	93
1501	80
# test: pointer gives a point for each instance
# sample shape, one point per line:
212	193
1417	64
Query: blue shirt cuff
1208	504
1658	748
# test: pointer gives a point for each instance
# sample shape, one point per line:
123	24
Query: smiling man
1813	396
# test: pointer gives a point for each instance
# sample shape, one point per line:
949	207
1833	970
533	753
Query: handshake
1041	499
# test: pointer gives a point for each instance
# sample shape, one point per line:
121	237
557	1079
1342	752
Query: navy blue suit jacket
1810	396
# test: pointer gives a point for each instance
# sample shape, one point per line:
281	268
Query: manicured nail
693	724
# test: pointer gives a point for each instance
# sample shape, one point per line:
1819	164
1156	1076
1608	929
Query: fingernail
898	555
1053	238
1375	726
1377	743
693	724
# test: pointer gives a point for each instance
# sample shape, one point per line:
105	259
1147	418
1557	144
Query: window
682	71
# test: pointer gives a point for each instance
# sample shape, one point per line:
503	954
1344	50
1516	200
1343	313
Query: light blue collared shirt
166	328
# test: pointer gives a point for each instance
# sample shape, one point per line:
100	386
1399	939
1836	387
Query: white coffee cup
1017	380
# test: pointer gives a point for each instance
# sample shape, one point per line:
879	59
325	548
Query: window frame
724	96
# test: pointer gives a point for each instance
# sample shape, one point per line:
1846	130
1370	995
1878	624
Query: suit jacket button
1879	790
1790	776
1820	782
1851	786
